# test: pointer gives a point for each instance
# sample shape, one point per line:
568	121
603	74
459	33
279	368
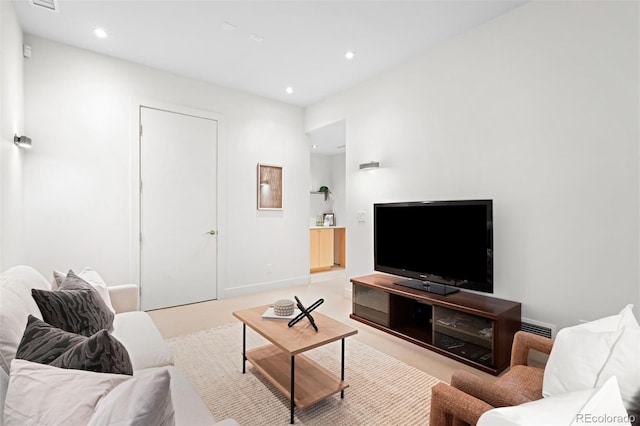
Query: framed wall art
269	187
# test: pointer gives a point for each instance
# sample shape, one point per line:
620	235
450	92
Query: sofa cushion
75	307
16	304
4	384
189	408
100	352
141	401
90	276
571	408
40	394
139	334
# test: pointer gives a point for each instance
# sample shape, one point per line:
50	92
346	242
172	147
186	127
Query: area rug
382	390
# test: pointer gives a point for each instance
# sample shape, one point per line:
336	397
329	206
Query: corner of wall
11	122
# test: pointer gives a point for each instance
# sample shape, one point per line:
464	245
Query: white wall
338	187
11	123
538	110
78	174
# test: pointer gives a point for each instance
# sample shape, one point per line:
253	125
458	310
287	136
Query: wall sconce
370	165
22	141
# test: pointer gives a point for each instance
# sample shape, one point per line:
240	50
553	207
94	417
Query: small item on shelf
450	343
283	307
462	321
486	357
486	332
325	190
447	321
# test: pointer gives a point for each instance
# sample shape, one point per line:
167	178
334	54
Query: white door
178	157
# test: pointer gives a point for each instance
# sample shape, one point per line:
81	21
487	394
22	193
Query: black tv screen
445	242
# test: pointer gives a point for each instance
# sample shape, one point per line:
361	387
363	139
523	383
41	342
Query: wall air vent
539	328
47	4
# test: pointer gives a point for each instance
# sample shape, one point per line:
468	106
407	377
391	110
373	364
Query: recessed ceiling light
100	33
257	38
289	90
349	55
314	146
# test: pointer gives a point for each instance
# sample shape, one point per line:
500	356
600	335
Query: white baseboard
328	275
259	287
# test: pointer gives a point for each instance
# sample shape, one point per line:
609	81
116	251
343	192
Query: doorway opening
327	221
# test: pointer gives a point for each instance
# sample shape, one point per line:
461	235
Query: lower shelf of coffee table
313	382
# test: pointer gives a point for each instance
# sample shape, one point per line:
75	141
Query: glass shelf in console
463	334
371	304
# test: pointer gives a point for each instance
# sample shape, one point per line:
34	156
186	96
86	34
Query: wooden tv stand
471	328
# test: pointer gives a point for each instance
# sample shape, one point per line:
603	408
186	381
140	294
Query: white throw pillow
93	278
579	355
576	360
16	304
98	283
44	395
4	384
142	400
624	364
628	319
571	408
605	407
614	322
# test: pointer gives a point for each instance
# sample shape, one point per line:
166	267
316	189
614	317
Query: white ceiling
330	139
303	45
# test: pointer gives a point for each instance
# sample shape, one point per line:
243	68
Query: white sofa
134	328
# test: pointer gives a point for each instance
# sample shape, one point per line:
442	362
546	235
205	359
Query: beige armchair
468	396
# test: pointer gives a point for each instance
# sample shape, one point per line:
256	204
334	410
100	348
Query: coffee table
298	377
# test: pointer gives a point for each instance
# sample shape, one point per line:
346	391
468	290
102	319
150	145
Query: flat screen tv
441	246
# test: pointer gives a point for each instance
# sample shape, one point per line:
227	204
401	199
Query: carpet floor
382	390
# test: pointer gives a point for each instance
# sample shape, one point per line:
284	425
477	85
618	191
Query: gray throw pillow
45	344
75	307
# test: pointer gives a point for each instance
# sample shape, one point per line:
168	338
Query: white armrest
124	298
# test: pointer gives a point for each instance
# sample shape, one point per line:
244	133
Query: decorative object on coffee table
283	307
270	314
306	312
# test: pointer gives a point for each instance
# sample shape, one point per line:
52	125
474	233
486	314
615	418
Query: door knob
212	232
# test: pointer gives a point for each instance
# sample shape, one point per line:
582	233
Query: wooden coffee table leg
293	368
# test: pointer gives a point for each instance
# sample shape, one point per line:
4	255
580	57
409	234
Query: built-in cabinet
321	249
474	329
326	248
